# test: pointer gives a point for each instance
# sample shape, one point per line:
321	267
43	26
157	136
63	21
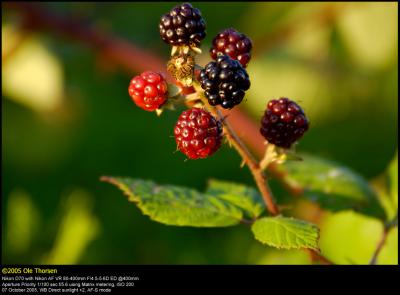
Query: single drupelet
224	82
233	43
197	133
148	90
183	25
283	122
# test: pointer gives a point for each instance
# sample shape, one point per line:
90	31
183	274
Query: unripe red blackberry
283	123
197	133
233	43
224	81
183	25
148	90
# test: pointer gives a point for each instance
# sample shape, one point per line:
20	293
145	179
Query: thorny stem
253	165
255	169
259	178
387	227
253	139
246	155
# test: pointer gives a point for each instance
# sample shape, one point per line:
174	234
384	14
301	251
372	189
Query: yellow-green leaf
286	233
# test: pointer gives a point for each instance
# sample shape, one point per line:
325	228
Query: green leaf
394	181
286	233
351	238
333	186
174	205
244	197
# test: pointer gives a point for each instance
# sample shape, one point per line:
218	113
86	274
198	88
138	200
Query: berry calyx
148	90
283	122
224	81
183	25
233	43
197	133
181	67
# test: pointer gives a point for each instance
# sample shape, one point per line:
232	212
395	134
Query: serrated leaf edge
289	247
132	198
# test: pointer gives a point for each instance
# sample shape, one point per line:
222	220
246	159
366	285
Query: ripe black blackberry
283	123
224	81
183	25
233	43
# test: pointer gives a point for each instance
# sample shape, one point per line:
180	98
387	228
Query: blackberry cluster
283	123
183	25
233	43
224	81
197	133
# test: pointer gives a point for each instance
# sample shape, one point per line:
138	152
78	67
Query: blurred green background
67	120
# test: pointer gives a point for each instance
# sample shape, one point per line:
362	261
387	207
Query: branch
253	138
132	59
243	151
113	48
259	176
388	226
252	163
